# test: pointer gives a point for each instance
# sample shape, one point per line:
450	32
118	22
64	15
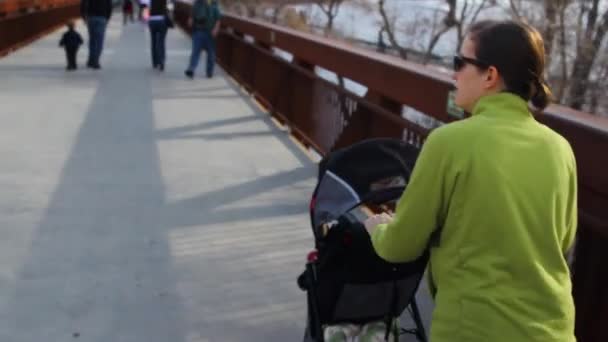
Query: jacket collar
502	105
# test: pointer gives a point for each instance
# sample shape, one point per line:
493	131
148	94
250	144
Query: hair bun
542	94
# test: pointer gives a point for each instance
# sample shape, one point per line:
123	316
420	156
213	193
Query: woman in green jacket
494	196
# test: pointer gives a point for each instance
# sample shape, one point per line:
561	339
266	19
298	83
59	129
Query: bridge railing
280	67
22	21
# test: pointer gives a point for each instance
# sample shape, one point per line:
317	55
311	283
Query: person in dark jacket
71	41
96	14
205	23
158	22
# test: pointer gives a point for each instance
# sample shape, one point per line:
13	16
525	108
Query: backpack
200	13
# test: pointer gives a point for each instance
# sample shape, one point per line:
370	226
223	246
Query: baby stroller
345	280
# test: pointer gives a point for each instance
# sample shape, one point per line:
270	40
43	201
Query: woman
494	196
157	21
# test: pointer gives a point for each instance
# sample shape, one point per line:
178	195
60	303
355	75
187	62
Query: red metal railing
325	116
22	21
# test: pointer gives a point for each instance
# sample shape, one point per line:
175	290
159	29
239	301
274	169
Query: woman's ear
492	80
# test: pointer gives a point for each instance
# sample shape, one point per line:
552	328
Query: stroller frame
314	328
309	280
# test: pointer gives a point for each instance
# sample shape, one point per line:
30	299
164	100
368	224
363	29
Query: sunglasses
460	61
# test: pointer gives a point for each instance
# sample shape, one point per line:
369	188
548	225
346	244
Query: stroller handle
380	196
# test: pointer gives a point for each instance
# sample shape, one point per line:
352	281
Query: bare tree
459	15
551	23
276	10
388	26
550	17
469	11
251	6
330	8
448	22
514	6
241	7
586	52
600	101
574	33
530	11
563	45
276	6
598	89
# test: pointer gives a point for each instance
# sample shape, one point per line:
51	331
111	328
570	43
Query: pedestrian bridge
139	205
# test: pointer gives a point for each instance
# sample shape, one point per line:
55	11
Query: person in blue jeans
205	23
157	22
96	14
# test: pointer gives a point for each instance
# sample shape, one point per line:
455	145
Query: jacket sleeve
571	209
420	210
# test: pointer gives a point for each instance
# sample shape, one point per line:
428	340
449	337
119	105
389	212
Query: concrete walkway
140	206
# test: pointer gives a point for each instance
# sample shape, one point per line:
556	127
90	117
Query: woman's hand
145	14
373	221
216	29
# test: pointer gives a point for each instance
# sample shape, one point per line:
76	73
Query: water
415	22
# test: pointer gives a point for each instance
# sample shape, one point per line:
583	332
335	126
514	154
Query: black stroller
345	281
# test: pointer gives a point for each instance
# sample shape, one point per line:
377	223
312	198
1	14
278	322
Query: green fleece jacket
501	190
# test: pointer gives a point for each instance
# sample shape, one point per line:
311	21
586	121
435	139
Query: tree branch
320	4
481	7
514	9
390	30
448	22
600	33
564	58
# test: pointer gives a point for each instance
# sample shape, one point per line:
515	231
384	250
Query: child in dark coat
127	11
71	41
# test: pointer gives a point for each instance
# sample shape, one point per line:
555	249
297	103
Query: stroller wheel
307	337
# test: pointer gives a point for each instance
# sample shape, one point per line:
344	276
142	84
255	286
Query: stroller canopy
373	169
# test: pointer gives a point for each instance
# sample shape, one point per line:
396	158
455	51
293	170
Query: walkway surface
140	206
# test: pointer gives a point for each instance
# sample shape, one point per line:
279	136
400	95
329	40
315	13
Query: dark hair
518	52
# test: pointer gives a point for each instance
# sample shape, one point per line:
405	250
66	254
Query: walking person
71	41
96	13
127	11
141	6
494	196
158	22
205	22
